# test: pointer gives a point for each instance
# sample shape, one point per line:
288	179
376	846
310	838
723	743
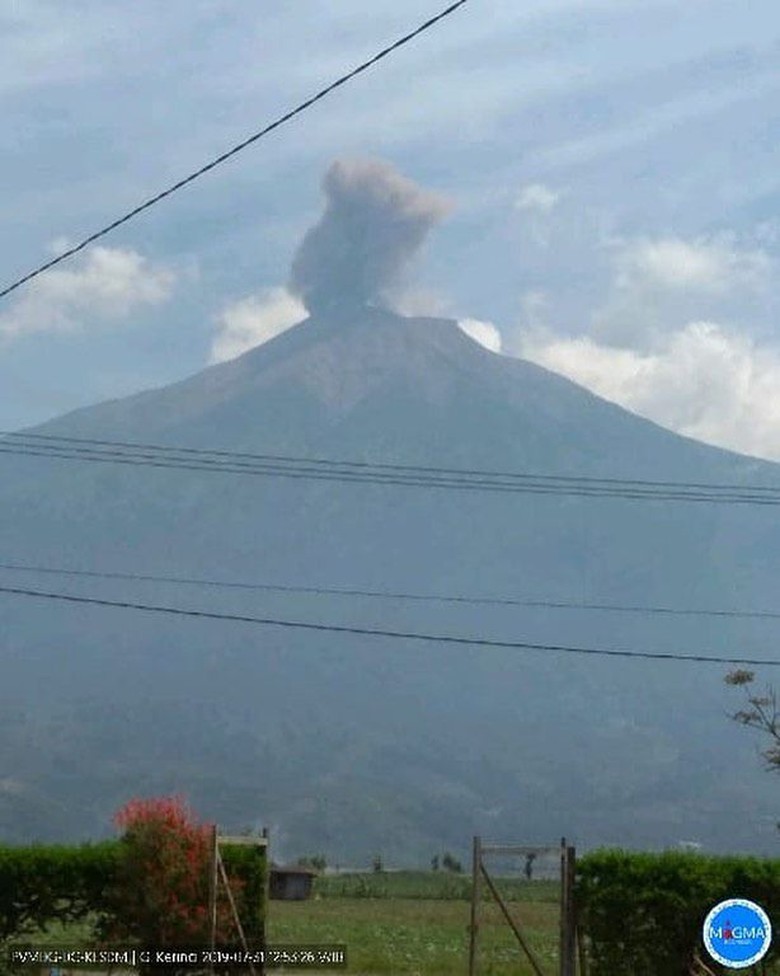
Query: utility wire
372	465
236	149
310	473
380	632
389	594
226	462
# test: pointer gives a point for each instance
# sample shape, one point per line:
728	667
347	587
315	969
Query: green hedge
44	884
642	914
249	864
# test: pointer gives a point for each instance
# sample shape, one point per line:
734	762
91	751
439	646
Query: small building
292	883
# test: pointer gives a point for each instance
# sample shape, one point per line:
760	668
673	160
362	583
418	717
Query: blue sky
612	168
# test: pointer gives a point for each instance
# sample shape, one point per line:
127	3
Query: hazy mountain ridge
356	745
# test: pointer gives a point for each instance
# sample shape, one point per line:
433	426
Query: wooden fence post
564	910
571	914
568	935
213	869
476	875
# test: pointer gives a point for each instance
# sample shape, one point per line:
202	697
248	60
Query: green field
410	922
417	923
407	923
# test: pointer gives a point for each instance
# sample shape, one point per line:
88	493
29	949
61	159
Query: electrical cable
391	595
226	462
414	468
380	632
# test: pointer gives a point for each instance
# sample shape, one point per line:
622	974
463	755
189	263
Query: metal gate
480	874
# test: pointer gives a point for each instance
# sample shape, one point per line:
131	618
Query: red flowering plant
162	891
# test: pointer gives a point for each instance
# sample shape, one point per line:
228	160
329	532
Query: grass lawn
406	923
392	927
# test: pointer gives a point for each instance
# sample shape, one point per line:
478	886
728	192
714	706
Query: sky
606	174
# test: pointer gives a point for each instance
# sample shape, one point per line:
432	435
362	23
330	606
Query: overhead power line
389	594
374	473
381	632
372	465
212	164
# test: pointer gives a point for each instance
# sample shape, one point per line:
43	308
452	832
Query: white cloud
537	198
254	320
108	283
59	245
485	333
711	265
659	285
702	381
536	203
534	304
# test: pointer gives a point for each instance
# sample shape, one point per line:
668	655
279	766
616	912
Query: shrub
161	893
641	914
148	888
317	862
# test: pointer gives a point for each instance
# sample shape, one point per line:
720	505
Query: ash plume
375	221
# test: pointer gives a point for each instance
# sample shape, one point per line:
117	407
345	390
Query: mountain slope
354	745
326	380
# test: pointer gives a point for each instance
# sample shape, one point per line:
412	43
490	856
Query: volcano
348	744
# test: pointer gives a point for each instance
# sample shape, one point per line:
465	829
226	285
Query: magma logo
737	933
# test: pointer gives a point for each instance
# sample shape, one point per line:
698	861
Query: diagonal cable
381	632
236	149
345	591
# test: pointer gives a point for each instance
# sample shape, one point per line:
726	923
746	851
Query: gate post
564	909
476	873
567	936
213	880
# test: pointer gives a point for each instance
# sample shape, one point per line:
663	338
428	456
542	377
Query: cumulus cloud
374	223
254	320
536	202
537	198
485	333
684	336
534	305
660	285
701	380
109	283
714	265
